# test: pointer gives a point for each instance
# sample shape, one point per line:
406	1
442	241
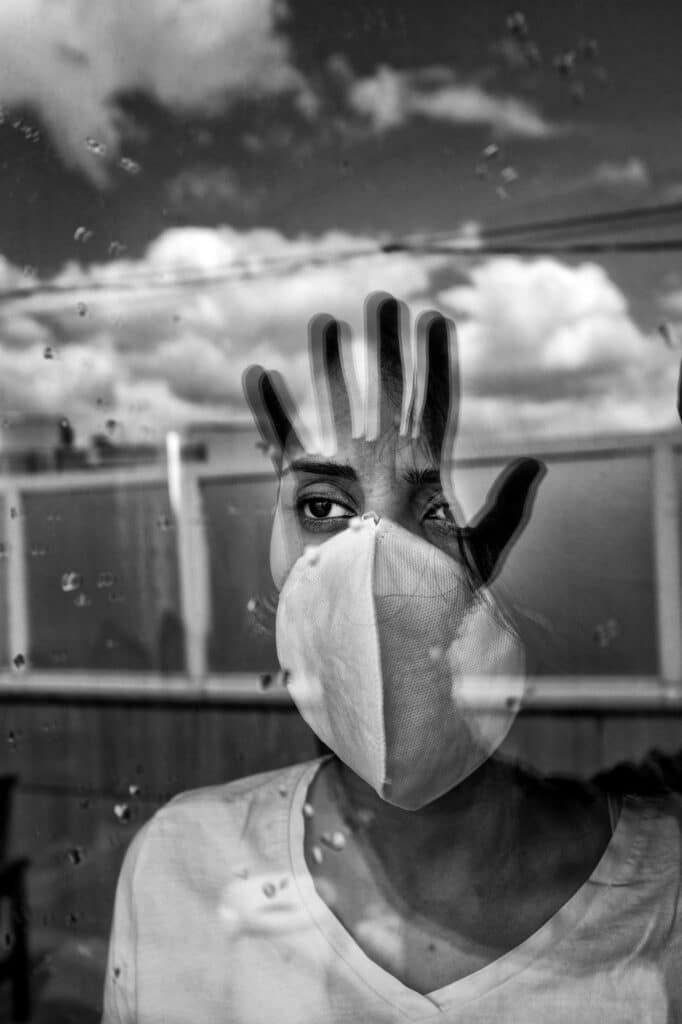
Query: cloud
70	61
546	349
390	98
177	353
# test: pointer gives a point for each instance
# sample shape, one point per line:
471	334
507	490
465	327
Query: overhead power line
629	219
518	239
531	248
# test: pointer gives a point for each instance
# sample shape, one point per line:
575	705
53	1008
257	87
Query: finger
385	331
507	510
350	377
273	411
329	392
337	394
435	408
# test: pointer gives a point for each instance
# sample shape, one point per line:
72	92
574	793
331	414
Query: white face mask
410	676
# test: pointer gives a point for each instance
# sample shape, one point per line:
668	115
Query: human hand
404	410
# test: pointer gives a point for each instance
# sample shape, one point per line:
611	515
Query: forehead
390	446
392	456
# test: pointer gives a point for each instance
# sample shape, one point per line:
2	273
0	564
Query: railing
661	691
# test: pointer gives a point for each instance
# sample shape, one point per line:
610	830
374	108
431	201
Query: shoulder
216	824
231	799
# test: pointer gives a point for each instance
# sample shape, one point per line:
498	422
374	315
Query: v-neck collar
617	865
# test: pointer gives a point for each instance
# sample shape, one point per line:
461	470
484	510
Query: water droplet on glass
164	522
122	812
82	235
565	62
317	854
308	810
269	889
116	248
82	601
129	166
282	790
48	353
669	335
82	308
19	661
71	581
334	840
491	152
531	51
96	147
365	817
517	24
75	855
117	973
312	554
251	605
265	680
588	47
133	789
105	579
508	175
11	738
578	92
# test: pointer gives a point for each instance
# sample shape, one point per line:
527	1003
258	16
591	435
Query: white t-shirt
217	921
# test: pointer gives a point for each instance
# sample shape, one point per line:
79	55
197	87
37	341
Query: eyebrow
422	477
338	469
416	477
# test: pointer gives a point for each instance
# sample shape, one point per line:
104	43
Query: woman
413	873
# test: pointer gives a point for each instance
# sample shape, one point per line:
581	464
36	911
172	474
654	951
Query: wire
490	241
522	248
615	219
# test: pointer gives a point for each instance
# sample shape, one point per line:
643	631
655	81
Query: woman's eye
440	512
325	508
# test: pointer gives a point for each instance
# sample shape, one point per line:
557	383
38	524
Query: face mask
407	673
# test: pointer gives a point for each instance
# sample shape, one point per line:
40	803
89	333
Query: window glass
340	499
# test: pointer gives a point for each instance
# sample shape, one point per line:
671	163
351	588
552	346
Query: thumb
508	506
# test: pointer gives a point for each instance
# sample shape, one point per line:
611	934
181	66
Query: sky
156	158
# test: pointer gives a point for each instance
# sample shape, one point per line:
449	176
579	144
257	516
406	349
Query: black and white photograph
340	512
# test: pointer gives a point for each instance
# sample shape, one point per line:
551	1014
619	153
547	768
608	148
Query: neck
465	824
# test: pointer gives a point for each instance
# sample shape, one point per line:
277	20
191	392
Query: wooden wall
76	761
